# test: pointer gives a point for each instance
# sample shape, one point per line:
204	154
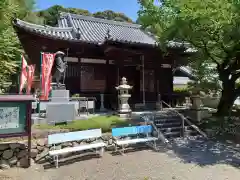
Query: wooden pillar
156	77
108	74
143	79
80	73
107	86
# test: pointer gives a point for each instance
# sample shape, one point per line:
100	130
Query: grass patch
106	123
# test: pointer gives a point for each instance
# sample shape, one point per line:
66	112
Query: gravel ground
186	159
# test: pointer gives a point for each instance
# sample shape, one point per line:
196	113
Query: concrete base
60	93
60	112
198	114
124	115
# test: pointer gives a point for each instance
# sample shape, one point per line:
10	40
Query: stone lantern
123	95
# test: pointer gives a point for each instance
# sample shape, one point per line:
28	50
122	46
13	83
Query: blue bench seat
135	141
145	130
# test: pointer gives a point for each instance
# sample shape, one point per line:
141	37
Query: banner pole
19	77
40	82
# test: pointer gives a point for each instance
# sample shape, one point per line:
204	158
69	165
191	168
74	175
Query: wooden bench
145	130
75	136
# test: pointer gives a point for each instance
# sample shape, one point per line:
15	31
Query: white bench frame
75	136
122	142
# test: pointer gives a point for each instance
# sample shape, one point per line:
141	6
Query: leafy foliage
184	90
51	14
10	48
210	26
108	14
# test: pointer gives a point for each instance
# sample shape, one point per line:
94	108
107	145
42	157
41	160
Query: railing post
183	126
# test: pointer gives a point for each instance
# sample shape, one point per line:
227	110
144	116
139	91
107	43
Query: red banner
30	77
23	77
47	63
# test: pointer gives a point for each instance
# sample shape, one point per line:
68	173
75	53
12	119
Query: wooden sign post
15	117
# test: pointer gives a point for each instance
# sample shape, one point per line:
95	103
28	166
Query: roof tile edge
41	27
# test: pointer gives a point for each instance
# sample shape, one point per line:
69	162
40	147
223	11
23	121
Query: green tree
210	26
51	15
108	14
10	48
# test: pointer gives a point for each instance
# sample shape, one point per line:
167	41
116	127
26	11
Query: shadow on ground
205	152
72	160
131	149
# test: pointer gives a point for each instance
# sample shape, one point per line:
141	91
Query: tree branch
205	50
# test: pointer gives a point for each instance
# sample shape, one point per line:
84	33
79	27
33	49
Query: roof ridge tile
100	20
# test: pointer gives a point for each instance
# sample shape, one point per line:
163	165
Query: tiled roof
62	33
91	30
186	72
98	30
181	80
88	29
48	31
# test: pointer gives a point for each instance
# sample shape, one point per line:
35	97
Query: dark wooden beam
80	72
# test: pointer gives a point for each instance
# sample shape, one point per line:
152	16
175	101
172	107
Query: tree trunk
226	102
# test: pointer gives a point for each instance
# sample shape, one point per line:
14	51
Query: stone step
191	132
167	120
166	124
170	135
170	129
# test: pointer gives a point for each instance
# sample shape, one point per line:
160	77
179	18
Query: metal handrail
159	133
187	121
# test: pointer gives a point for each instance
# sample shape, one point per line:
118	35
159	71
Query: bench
75	136
145	130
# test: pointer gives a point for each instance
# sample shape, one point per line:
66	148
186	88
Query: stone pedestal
60	109
60	95
58	87
196	102
198	114
60	112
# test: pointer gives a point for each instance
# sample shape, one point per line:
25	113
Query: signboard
9	117
13	117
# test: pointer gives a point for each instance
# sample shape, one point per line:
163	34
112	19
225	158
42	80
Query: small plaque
9	117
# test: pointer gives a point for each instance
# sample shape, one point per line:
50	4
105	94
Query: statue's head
60	54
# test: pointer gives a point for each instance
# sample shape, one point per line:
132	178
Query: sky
128	7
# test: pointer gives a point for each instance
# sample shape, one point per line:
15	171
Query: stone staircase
171	125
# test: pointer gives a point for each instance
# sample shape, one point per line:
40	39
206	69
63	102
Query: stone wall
15	154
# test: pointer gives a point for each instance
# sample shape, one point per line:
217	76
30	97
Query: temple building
100	52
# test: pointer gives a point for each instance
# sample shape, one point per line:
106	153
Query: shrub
183	90
106	123
76	95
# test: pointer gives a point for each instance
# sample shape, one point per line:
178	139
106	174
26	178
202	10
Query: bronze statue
59	68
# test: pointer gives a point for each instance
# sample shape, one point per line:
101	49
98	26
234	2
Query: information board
13	117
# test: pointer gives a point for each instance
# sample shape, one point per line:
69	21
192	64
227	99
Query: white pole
143	80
